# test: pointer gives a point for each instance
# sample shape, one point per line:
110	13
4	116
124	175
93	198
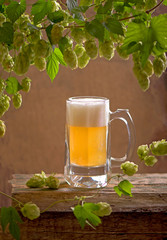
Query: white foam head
87	111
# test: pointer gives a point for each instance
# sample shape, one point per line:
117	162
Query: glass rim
72	99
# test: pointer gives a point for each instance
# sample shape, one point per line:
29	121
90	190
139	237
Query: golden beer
87	145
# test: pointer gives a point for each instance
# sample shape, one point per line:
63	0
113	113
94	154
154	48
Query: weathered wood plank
142	217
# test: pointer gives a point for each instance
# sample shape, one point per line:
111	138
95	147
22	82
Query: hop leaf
159	148
17	100
26	84
91	49
150	4
143	151
150	160
104	209
70	58
2	128
35	182
85	214
30	210
129	168
52	182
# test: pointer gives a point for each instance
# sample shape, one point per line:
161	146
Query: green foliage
6	33
10	216
84	214
52	67
12	85
96	29
124	187
40	9
15	10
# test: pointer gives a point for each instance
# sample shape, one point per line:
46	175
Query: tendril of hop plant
86	213
68	33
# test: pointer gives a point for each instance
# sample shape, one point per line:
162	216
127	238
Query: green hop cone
159	148
2	19
42	48
142	77
18	39
52	182
22	63
3	51
91	49
149	4
30	211
2	85
4	104
143	151
29	51
34	35
17	100
56	33
26	84
122	53
78	35
40	63
106	50
148	68
83	60
8	63
70	58
129	168
2	128
55	6
158	65
64	43
36	181
150	160
79	50
104	209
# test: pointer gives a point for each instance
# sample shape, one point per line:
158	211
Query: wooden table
142	217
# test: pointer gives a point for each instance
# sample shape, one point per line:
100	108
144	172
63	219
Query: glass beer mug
88	141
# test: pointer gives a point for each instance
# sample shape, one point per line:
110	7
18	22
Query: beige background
34	139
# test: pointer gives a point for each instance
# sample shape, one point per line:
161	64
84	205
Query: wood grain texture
142	217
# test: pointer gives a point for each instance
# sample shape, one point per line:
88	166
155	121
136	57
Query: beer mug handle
124	115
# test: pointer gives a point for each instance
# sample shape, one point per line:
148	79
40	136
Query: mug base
84	177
